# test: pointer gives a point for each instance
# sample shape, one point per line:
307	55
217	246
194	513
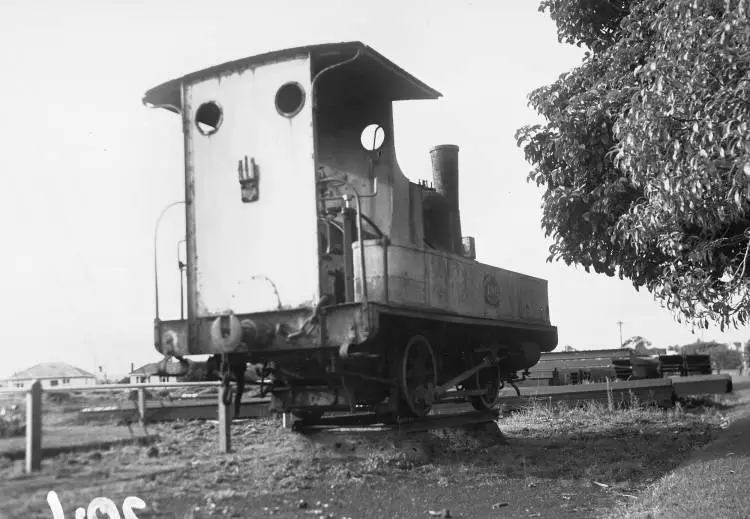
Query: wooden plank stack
559	368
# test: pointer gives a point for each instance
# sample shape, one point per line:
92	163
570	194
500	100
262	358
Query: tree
724	356
701	348
645	151
197	372
642	346
637	343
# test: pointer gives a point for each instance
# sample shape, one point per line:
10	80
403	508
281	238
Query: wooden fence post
142	405
225	424
34	427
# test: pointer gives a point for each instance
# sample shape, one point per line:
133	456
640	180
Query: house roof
387	79
52	370
147	369
171	368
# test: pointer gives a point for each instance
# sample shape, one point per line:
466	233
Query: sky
87	168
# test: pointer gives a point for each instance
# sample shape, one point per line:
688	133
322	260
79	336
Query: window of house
19	384
142	380
53	382
66	381
163	379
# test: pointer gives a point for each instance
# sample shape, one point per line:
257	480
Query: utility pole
620	324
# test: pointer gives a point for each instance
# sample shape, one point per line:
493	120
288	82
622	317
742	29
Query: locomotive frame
385	306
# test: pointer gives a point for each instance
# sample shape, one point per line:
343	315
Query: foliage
58	397
726	359
645	151
198	372
700	347
12	421
594	23
724	356
636	342
642	346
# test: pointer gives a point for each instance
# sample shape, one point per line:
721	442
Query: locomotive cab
309	251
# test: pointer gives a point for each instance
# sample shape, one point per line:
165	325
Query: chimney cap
445	147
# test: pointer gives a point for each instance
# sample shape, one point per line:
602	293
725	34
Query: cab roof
383	78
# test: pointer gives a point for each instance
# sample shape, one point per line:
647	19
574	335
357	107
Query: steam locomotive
310	253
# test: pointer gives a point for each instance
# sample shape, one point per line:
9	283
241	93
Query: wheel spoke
418	377
421	357
487	379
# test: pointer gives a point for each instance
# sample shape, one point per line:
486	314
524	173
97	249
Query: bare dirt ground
549	462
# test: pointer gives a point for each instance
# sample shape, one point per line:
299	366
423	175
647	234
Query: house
146	374
52	375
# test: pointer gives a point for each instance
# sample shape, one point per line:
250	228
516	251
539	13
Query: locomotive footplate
267	334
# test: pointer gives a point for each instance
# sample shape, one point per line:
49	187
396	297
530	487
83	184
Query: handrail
360	239
156	240
112	387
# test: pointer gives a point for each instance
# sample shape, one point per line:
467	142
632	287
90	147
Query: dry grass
560	448
625	447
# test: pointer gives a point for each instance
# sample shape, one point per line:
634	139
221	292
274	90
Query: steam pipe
156	263
329	67
360	239
182	285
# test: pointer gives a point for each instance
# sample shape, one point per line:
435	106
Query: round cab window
372	137
208	118
289	99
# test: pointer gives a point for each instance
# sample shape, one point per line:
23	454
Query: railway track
660	391
433	421
166	410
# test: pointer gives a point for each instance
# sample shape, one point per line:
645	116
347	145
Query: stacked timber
685	365
619	393
560	368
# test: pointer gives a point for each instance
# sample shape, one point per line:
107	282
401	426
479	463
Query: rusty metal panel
375	267
461	290
245	232
437	280
496	292
406	277
173	338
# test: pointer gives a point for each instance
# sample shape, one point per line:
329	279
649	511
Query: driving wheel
418	376
489	379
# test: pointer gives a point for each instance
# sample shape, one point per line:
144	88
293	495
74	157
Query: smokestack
445	175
